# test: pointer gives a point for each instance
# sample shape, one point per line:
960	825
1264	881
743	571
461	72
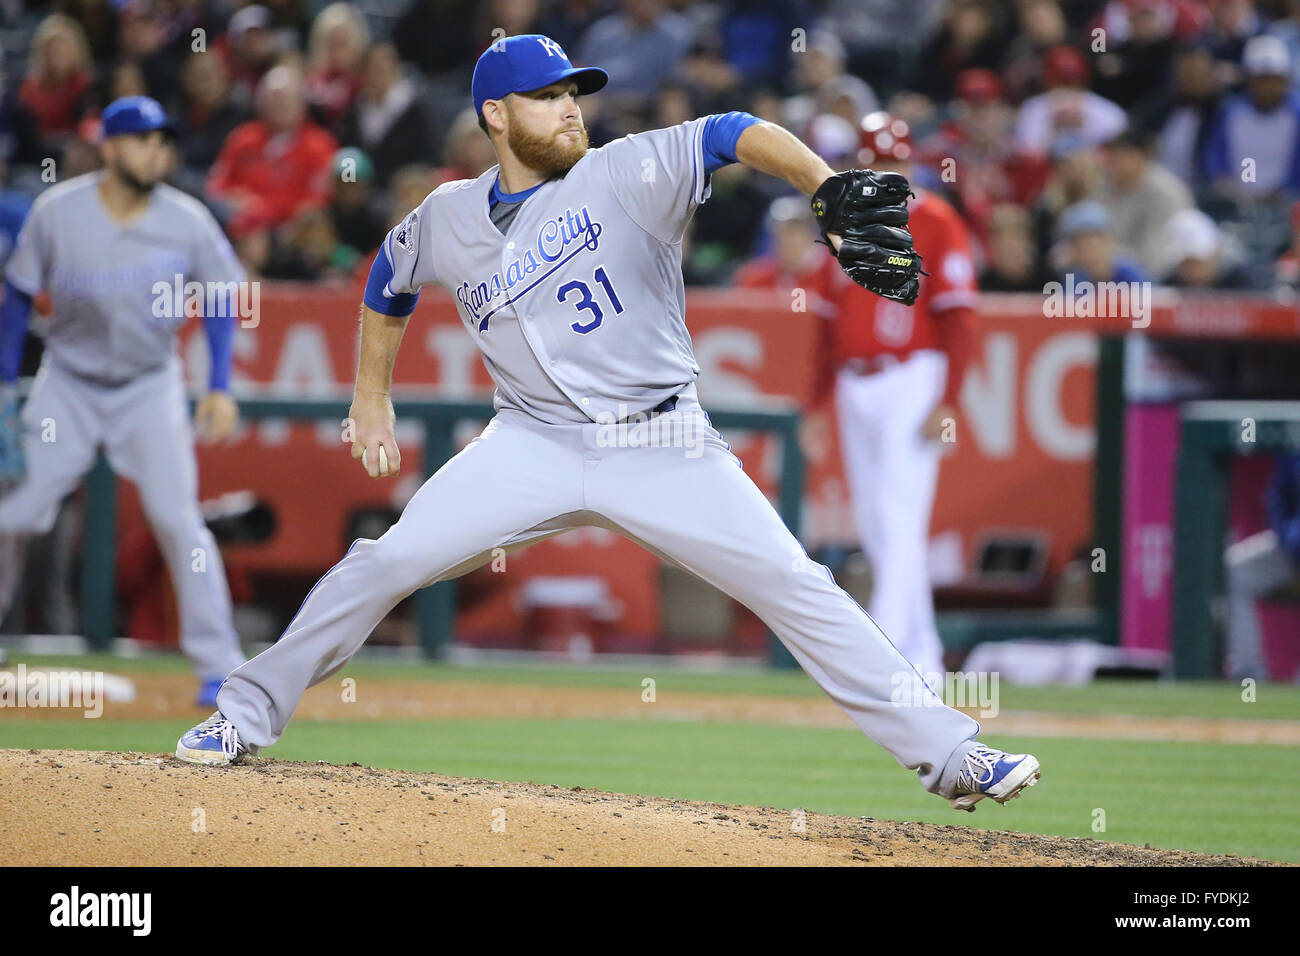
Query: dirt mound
67	807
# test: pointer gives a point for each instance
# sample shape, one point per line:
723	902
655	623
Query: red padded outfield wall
1023	459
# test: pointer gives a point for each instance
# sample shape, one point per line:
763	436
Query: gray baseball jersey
110	379
101	276
580	313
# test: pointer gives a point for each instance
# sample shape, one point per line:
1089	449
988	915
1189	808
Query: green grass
1210	797
1139	698
1214	798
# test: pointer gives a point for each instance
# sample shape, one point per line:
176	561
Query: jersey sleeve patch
404	235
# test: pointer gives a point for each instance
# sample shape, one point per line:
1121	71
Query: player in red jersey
899	374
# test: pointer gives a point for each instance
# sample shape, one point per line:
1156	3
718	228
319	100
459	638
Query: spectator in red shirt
973	159
338	43
58	77
275	166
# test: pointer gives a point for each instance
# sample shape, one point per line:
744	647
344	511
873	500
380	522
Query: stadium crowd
1113	139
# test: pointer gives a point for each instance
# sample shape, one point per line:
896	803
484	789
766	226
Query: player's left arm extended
776	151
862	214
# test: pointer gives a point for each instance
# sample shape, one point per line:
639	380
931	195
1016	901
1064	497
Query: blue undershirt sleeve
220	329
15	309
378	298
721	132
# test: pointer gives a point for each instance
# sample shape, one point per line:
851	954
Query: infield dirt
74	808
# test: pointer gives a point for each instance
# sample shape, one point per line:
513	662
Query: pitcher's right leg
510	479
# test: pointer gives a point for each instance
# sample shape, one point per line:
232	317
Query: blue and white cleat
208	692
987	772
214	742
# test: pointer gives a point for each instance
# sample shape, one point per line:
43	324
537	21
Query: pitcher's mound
92	808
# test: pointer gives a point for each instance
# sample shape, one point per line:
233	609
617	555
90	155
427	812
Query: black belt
667	405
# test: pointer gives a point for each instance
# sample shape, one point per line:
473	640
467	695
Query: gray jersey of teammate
101	277
581	313
110	378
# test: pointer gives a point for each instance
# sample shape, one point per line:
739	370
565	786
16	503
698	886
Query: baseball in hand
383	461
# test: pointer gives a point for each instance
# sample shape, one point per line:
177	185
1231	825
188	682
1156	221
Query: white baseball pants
891	472
144	428
670	484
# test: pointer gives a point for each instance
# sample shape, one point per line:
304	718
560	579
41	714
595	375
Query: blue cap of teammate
528	62
134	114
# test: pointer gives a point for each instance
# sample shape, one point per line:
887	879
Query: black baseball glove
868	211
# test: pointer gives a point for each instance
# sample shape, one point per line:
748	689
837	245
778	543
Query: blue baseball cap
134	114
1086	216
528	62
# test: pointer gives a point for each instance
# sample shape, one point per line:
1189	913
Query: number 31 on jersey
585	301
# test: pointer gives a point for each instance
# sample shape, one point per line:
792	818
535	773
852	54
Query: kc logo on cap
527	62
133	114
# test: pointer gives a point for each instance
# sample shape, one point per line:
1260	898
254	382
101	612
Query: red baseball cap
1064	66
978	85
884	137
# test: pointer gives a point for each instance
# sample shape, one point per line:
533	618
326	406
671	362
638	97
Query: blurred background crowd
1114	139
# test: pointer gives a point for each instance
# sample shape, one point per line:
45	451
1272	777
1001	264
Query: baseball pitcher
103	246
565	266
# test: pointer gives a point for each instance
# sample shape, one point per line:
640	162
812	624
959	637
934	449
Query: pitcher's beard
549	155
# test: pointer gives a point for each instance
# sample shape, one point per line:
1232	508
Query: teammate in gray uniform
565	265
99	244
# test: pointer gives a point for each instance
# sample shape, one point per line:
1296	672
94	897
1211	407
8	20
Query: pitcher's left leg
699	509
